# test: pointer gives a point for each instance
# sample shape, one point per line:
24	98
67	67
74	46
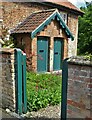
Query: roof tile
65	3
33	21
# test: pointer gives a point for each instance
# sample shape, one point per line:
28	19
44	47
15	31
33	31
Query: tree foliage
85	31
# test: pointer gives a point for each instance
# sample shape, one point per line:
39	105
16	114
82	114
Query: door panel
57	53
42	54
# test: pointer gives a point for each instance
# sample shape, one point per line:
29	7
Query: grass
43	90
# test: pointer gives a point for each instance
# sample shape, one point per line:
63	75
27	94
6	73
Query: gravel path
48	113
4	114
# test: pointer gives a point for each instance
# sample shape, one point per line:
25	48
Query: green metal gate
58	45
20	71
42	54
64	89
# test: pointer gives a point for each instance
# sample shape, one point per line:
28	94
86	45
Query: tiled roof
69	5
38	20
33	21
65	3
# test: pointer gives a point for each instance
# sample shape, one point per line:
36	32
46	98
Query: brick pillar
7	78
34	54
65	48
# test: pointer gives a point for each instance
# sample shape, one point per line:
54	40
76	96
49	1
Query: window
64	17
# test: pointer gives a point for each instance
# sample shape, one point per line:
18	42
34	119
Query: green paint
40	28
42	54
19	80
21	96
65	26
58	50
24	84
46	22
64	90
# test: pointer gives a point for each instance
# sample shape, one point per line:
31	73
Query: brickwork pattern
7	79
79	89
30	46
53	30
14	13
73	26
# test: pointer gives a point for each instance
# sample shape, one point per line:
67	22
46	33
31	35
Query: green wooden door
42	54
57	53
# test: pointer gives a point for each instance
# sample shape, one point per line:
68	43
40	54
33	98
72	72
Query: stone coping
7	50
80	60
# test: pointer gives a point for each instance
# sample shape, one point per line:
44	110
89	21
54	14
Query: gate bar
18	58
64	89
24	84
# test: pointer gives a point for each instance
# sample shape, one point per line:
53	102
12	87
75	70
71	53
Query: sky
79	3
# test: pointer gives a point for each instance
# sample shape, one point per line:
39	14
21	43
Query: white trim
44	21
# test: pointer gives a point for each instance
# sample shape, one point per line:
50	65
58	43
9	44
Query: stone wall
51	31
79	88
73	26
26	46
30	46
15	12
7	79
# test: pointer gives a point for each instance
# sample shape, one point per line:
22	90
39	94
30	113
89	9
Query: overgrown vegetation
8	40
85	32
43	90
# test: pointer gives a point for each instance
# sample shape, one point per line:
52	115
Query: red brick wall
73	26
79	88
72	23
7	79
30	46
52	31
13	13
26	47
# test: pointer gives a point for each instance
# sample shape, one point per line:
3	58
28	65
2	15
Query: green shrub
43	90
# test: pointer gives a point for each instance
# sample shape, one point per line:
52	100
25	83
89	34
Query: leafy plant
85	32
43	90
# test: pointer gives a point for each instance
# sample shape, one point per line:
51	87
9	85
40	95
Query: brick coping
80	60
7	50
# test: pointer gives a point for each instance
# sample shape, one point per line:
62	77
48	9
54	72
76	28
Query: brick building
16	12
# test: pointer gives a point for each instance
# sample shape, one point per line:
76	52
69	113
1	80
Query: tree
85	31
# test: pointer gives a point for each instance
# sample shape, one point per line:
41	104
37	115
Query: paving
4	114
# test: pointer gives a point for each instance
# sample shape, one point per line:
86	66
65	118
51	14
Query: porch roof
38	20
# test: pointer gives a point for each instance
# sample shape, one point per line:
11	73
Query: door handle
41	50
56	53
